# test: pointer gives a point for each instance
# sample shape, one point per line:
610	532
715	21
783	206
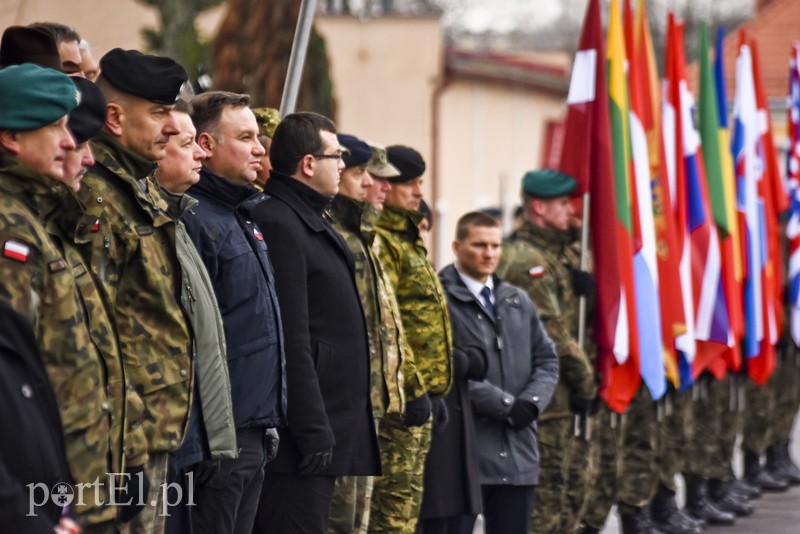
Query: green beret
32	97
267	119
548	183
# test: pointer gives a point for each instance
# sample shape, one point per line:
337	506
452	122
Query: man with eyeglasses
331	430
233	250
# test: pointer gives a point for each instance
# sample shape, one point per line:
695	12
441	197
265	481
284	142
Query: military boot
636	523
699	506
668	518
727	499
743	486
790	470
758	476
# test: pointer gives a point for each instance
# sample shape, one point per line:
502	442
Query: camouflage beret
32	96
268	119
154	78
548	183
379	166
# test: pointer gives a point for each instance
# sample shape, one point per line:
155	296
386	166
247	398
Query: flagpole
297	58
584	261
583	421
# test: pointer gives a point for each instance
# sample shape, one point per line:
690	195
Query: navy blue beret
359	151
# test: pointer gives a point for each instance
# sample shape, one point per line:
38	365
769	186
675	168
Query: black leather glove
523	412
583	283
418	411
440	415
134	489
315	462
581	405
205	471
272	440
470	362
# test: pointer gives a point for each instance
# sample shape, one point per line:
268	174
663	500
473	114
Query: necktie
486	293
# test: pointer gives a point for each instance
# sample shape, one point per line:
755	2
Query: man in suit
331	430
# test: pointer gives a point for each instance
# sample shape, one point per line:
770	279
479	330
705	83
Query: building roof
774	28
507	69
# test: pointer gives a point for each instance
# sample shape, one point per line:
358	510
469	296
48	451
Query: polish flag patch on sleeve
257	233
16	251
536	272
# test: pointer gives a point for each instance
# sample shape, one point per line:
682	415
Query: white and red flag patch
536	272
16	251
257	233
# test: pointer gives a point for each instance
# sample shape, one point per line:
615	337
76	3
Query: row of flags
683	206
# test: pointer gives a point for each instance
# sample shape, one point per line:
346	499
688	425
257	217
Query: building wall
385	72
490	135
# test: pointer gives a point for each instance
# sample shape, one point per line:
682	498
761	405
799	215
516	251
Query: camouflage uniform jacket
36	281
200	305
70	228
390	357
135	258
422	302
535	261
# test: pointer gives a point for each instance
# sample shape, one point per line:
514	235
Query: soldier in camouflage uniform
390	358
535	261
398	495
37	281
135	256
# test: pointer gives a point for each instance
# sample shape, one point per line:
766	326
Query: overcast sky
507	15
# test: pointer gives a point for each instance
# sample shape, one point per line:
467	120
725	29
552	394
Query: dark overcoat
31	442
327	355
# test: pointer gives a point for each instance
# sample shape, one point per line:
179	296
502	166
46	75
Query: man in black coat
331	430
32	455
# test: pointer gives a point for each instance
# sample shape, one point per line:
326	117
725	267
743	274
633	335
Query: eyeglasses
338	155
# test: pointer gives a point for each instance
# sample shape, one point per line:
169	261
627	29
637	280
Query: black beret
21	44
548	183
359	152
154	78
426	213
89	117
408	161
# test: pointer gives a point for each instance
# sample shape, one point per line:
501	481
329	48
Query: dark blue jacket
235	254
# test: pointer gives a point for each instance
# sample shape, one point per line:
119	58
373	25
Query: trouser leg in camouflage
580	469
638	478
757	417
397	495
787	392
555	438
671	434
723	396
602	488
